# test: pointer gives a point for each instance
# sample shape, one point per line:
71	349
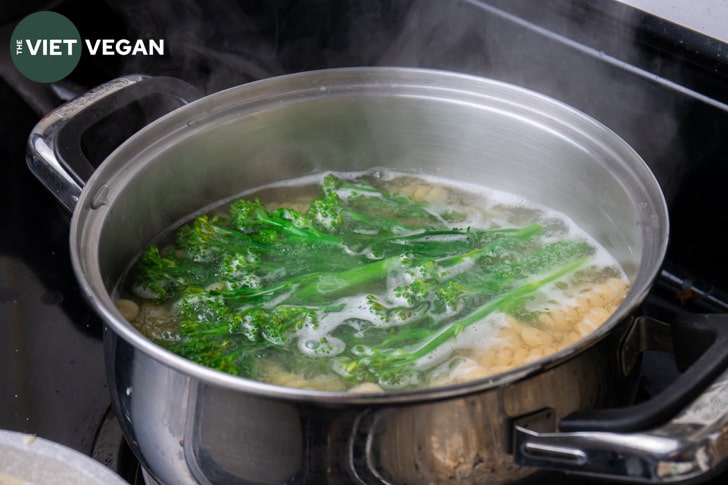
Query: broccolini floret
158	275
251	217
210	239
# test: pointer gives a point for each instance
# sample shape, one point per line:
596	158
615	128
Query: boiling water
552	317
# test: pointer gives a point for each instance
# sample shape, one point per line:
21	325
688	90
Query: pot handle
615	444
55	154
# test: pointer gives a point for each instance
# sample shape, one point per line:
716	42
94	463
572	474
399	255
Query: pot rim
296	86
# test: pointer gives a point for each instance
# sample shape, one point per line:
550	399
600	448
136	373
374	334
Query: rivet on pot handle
54	152
690	444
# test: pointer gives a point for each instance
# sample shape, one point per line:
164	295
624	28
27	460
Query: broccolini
365	281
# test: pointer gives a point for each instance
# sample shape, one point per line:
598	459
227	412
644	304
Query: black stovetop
659	86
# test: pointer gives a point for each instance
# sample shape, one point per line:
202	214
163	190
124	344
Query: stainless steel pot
189	424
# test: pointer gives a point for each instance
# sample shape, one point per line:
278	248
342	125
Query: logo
46	47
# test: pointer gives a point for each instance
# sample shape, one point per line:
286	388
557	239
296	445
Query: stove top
53	378
708	17
657	84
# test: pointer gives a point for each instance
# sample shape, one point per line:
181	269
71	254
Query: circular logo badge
45	47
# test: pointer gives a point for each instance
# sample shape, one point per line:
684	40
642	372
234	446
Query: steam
216	44
212	44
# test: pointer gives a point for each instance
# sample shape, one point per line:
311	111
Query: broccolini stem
315	287
332	285
380	221
453	329
449	235
305	233
319	287
518	234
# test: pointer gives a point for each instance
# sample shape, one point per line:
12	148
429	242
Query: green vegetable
367	283
391	361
